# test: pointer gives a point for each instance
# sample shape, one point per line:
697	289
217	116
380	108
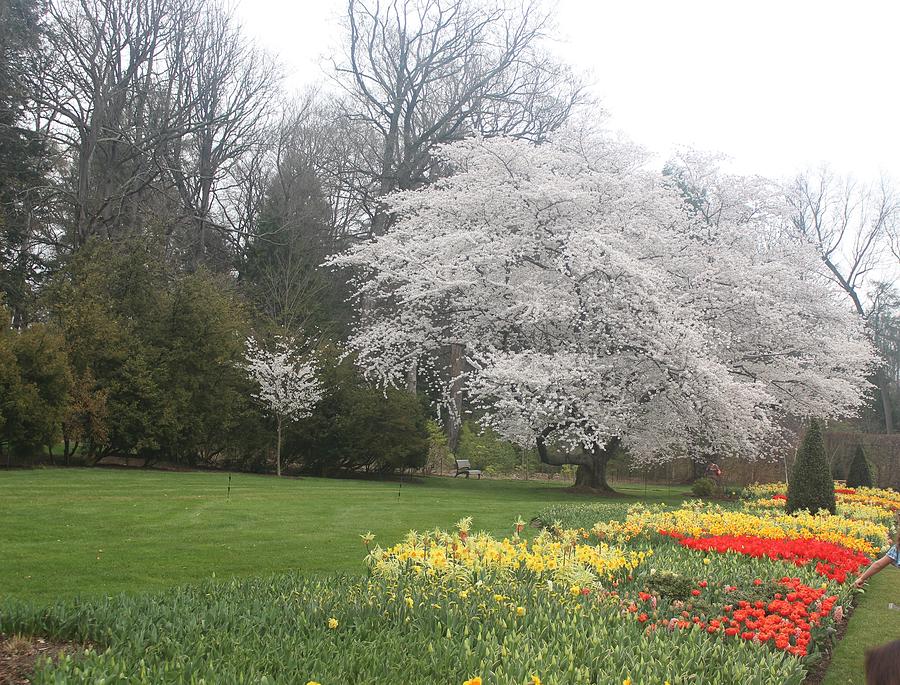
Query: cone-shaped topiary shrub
859	475
811	486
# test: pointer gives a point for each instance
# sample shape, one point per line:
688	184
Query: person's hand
858	583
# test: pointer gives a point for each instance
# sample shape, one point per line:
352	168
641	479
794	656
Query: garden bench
464	467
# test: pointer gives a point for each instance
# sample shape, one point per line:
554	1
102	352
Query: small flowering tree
288	386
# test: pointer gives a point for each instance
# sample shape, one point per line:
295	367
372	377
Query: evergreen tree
859	475
811	486
22	161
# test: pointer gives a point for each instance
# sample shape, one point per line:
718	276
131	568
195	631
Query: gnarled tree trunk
591	473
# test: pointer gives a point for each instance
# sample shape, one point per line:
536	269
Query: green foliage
703	487
155	357
86	414
358	427
578	516
859	475
34	382
440	459
155	362
492	454
670	585
23	163
811	486
276	630
486	450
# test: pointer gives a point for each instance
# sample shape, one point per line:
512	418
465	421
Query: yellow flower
409	602
332	623
575	590
313	682
520	611
535	680
473	681
627	681
706	561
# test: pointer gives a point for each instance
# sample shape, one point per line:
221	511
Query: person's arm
876	566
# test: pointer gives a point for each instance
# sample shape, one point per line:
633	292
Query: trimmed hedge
811	486
859	475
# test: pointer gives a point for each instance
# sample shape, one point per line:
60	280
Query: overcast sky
778	86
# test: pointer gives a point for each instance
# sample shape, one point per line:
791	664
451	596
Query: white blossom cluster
594	302
288	385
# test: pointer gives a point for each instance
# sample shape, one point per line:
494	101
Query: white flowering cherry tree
595	308
288	385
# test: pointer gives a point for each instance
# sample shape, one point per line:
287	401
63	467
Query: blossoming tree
288	386
593	307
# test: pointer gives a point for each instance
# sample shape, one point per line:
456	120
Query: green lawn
88	532
872	624
67	532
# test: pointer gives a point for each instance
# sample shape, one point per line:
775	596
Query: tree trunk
456	371
591	475
412	377
278	450
884	391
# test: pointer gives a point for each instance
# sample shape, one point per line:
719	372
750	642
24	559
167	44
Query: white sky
778	86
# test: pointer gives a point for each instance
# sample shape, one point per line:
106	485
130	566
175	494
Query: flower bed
698	594
861	504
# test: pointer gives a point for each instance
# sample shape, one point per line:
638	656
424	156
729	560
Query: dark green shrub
734	493
358	427
154	356
34	383
811	486
703	487
859	475
669	585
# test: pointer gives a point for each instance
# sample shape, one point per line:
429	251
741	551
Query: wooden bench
464	467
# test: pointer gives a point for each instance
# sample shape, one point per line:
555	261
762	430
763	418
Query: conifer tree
859	475
811	486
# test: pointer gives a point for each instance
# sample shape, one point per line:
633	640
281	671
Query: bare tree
229	87
151	106
295	228
851	225
424	72
104	93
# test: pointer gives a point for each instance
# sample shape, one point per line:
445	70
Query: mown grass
68	532
872	624
94	532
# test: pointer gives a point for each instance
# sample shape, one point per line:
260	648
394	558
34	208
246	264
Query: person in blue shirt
891	558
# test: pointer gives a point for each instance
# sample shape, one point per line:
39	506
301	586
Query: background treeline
162	197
